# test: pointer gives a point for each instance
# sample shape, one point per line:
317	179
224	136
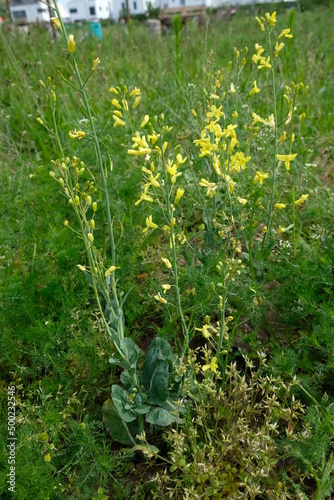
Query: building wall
29	12
173	4
80	10
135	6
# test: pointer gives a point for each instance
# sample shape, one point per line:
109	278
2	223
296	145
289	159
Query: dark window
73	11
40	10
182	2
123	5
92	11
134	5
20	14
25	2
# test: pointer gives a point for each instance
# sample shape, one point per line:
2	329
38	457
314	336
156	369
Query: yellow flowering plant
236	188
148	396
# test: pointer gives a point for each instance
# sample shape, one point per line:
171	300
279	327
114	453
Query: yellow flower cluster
259	59
269	20
218	144
74	134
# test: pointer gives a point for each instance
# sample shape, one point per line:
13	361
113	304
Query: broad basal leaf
159	416
119	430
120	400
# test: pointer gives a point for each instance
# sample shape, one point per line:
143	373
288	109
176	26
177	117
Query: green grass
52	346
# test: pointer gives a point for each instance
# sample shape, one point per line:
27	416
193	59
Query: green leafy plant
156	397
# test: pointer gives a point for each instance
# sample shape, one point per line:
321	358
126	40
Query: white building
29	11
175	4
89	10
135	6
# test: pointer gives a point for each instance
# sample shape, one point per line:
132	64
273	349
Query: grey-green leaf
119	397
159	416
119	430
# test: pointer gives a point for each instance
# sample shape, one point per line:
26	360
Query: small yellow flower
113	90
205	331
125	104
96	63
212	366
165	287
211	187
264	63
280	230
94	206
255	89
260	177
257	119
232	88
179	194
135	104
283	136
110	270
271	19
135	92
278	48
71	44
82	268
302	116
180	160
145	121
144	197
56	23
260	23
160	299
74	134
154	180
235	114
47	458
215	112
166	262
302	199
40	120
90	237
193	112
285	33
270	121
117	121
115	103
279	206
149	224
287	159
242	201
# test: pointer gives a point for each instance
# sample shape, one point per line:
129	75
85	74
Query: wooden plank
184	12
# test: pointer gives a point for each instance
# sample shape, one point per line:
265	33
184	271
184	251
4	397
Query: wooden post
7	4
127	13
51	14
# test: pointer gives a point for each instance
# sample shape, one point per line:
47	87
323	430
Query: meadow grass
53	348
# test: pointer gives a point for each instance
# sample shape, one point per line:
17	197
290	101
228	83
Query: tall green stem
102	174
222	326
275	146
175	269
